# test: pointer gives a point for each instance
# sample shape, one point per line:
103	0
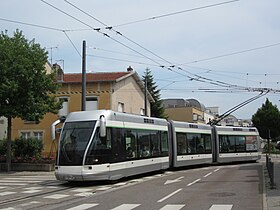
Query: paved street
214	188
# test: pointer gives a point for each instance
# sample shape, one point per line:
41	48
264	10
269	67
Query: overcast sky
209	50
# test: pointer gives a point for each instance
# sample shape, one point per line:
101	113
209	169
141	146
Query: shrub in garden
27	150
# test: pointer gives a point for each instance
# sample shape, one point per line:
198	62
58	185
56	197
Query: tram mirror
102	126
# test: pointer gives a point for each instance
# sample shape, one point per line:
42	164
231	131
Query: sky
220	52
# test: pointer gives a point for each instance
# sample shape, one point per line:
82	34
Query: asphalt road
216	188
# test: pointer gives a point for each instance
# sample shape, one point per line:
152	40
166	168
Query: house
117	91
186	110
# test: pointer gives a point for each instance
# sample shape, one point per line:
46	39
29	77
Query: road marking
31	191
195	181
13	184
172	207
207	175
83	206
18	181
126	207
168	196
80	190
6	193
221	207
174	180
57	196
103	188
216	170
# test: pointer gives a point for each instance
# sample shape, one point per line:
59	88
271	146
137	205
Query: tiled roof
94	77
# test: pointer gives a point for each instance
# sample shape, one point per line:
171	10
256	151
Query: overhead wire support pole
84	77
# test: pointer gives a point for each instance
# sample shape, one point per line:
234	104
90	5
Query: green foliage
28	148
273	149
157	109
23	150
25	88
3	147
267	119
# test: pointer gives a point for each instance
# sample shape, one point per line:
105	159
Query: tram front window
74	139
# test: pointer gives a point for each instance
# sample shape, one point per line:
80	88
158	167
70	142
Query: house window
25	135
120	107
64	110
195	117
91	103
32	134
38	135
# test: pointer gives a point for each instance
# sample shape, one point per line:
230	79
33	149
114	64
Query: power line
171	66
173	13
233	53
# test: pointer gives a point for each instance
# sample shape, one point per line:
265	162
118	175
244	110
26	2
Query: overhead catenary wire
171	65
172	14
199	78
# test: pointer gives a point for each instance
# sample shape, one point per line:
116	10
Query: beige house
117	91
189	110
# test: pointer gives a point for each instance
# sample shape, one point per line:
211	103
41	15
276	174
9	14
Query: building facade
186	110
117	91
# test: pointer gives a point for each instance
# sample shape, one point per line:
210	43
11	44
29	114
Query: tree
157	110
26	90
267	120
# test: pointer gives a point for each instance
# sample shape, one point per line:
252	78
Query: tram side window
130	144
207	143
191	143
144	143
155	143
118	145
164	143
252	143
240	144
227	144
181	143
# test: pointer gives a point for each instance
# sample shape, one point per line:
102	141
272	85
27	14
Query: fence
270	169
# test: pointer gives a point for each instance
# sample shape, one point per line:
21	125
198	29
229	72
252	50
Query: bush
272	148
23	150
28	149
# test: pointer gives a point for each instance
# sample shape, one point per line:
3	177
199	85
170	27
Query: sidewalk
272	195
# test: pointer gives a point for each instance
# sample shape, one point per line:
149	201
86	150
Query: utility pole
268	143
84	77
146	112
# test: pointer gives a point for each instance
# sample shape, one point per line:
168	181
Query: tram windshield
74	139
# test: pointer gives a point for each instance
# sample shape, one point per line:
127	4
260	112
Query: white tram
107	145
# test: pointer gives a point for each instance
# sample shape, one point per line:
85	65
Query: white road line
18	181
7	193
207	175
83	206
168	196
12	184
172	207
57	196
126	207
216	170
195	181
81	190
31	191
103	188
221	207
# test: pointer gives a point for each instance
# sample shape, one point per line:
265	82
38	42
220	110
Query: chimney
129	69
59	72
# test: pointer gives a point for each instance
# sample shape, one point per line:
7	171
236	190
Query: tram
107	145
